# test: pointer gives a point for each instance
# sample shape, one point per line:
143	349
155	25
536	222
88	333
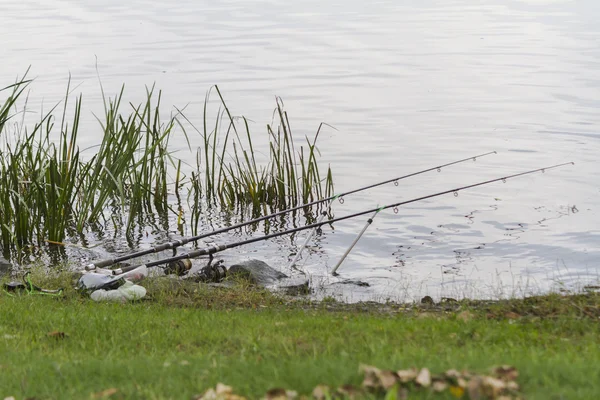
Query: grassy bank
179	342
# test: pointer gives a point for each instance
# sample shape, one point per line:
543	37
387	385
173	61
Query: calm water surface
408	85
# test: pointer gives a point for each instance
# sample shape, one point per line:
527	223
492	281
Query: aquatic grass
227	170
47	188
53	193
17	90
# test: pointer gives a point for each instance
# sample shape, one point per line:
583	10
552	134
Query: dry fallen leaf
475	389
407	375
378	379
387	379
506	372
105	393
452	374
462	383
223	389
349	392
280	394
370	381
500	385
439	386
493	387
57	335
321	392
424	378
220	392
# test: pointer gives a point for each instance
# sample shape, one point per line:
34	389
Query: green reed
227	171
52	192
48	188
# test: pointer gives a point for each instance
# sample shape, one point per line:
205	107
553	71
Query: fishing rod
184	241
217	248
362	232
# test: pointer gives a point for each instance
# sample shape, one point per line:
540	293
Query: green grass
185	339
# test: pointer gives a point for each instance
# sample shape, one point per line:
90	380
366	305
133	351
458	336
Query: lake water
408	85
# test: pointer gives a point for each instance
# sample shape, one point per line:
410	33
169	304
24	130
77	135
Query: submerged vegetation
51	191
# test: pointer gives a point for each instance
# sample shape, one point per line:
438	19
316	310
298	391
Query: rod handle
100	264
122	270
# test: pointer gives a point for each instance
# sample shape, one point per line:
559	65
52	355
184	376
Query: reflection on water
408	85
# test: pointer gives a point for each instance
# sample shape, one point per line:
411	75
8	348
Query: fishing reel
179	267
212	272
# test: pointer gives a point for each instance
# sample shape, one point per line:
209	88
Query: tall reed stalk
47	187
227	171
51	191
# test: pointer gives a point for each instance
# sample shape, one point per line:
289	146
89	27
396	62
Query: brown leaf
387	379
321	392
452	374
493	387
221	388
377	379
105	393
475	388
439	386
220	392
462	383
424	378
57	335
407	375
280	394
506	373
371	380
349	392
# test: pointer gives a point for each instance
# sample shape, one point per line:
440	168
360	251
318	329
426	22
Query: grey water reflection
408	85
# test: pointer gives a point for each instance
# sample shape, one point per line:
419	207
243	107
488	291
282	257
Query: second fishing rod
181	242
218	248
